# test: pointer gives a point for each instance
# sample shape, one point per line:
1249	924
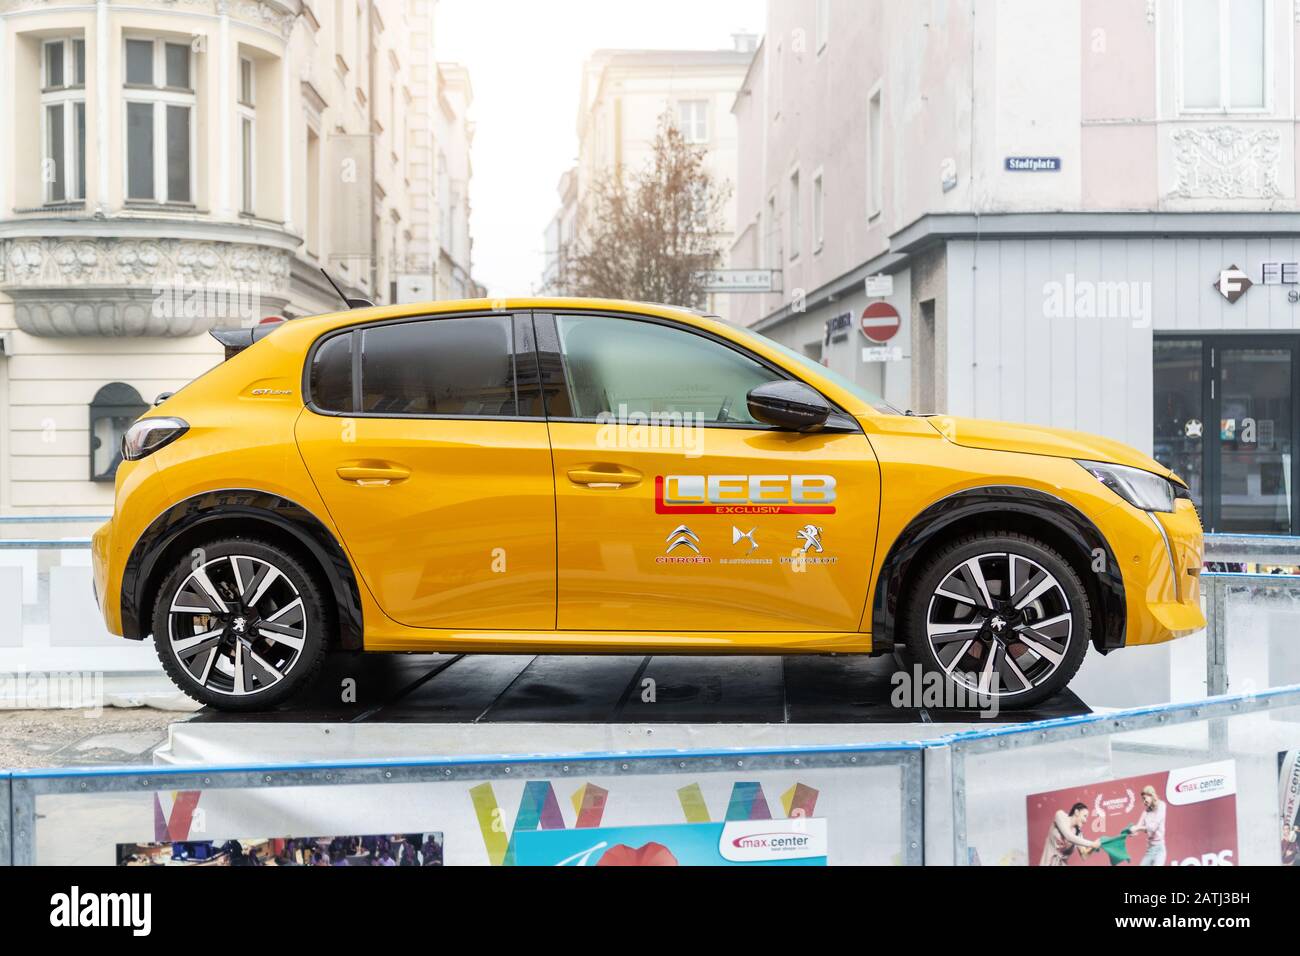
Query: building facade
1080	214
167	168
454	135
624	95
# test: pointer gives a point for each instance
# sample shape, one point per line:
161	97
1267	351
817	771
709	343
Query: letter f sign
1232	284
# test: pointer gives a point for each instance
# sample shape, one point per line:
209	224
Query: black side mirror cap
789	405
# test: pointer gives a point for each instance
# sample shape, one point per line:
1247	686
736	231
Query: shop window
112	411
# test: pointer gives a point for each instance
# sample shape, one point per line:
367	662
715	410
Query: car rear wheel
240	625
1000	615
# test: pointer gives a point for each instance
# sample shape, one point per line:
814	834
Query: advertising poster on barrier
409	849
739	843
1182	817
705	818
1288	792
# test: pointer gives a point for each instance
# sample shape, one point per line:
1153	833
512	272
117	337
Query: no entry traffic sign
880	322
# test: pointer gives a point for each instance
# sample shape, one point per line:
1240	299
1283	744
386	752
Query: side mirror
792	406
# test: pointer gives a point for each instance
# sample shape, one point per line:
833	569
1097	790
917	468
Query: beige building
168	167
624	94
454	138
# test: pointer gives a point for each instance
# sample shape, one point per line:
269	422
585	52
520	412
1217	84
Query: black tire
972	634
263	647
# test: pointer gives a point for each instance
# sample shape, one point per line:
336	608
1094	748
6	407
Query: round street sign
880	322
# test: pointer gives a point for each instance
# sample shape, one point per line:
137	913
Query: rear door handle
605	476
379	475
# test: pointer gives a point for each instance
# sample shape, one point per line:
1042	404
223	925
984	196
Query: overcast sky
525	61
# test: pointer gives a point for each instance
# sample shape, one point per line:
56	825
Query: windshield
804	363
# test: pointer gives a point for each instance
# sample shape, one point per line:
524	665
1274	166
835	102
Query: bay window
63	119
247	129
1225	55
160	131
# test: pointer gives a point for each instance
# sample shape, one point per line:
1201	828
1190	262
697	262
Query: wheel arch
237	513
1012	508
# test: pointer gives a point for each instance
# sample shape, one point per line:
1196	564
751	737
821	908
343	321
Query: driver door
678	512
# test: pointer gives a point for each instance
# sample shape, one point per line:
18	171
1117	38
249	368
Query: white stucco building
169	167
624	95
1055	190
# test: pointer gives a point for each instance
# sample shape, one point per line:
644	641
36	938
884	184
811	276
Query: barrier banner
1288	790
798	842
1182	817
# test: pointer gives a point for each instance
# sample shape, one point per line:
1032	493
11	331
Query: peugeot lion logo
683	536
811	536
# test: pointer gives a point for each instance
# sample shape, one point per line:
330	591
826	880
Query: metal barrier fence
78	816
1246	728
957	799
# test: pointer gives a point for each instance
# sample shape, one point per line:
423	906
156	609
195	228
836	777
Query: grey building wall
1059	331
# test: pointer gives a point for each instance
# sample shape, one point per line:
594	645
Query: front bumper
100	549
1162	576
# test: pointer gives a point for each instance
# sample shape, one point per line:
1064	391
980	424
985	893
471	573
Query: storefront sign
1232	283
837	327
739	280
1033	164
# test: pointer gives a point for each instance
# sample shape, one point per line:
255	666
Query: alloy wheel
237	625
999	624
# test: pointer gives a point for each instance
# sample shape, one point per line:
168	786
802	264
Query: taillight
147	435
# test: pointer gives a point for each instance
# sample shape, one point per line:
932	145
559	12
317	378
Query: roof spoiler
235	341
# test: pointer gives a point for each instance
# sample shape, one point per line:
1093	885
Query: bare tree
649	234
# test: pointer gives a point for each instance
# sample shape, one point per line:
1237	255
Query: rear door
430	451
678	512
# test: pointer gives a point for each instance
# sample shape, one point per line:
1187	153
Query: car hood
1040	440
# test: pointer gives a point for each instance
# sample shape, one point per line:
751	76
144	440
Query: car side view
565	476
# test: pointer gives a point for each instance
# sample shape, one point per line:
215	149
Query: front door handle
605	476
379	475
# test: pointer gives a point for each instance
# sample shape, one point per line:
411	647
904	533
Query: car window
458	367
806	363
461	367
625	367
331	375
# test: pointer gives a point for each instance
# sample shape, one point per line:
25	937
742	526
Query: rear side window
331	375
460	367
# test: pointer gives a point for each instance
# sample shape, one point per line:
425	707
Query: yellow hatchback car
564	476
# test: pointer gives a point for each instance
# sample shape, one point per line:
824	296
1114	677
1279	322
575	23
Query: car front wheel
240	625
1000	615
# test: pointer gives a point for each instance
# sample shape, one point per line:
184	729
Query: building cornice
131	227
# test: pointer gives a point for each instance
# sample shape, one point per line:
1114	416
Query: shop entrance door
1225	421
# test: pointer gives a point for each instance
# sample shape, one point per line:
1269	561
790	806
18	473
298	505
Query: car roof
315	325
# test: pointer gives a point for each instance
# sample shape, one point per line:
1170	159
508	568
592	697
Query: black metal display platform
610	690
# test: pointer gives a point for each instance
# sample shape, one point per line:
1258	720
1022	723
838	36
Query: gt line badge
745	494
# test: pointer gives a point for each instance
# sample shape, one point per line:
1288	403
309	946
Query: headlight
1139	488
149	434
